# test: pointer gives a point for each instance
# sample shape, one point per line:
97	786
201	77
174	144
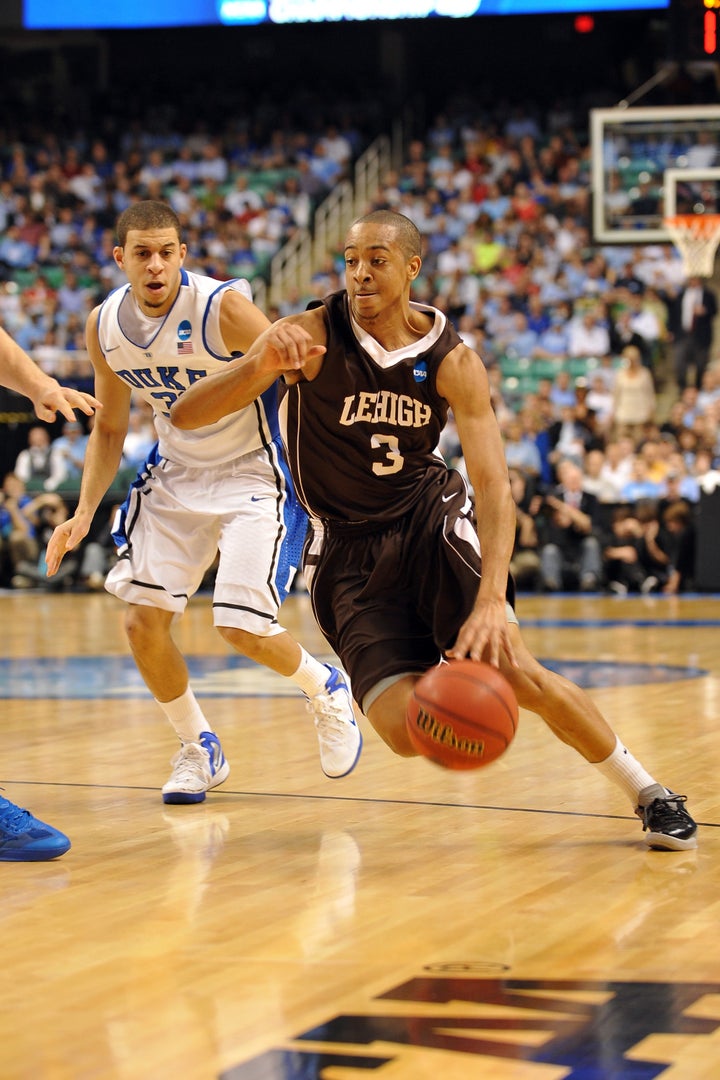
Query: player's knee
392	730
243	641
143	625
398	741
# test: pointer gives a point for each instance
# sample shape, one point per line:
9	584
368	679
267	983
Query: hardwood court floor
403	923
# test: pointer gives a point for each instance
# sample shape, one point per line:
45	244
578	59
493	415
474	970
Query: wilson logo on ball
445	735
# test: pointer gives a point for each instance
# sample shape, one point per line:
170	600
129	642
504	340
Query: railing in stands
370	172
292	268
331	222
260	293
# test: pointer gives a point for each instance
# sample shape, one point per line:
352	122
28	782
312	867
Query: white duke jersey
160	358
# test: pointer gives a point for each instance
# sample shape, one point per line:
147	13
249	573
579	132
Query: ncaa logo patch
420	371
184	330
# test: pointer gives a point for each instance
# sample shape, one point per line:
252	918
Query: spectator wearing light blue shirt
70	447
520	452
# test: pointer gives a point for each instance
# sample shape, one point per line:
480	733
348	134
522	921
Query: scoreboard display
695	29
703	27
88	14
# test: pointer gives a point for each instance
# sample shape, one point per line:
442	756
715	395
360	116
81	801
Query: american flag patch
185	347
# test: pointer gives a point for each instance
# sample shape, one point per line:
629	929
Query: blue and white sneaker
23	838
197	767
337	729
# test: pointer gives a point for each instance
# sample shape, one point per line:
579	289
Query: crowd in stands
608	441
240	191
610	436
240	198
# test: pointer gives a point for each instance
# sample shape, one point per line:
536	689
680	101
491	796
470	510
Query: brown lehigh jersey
361	438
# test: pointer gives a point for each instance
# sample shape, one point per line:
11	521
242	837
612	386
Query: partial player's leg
326	688
260	547
565	708
575	719
200	764
165	549
387	714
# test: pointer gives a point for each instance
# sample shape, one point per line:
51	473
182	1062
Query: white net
696	236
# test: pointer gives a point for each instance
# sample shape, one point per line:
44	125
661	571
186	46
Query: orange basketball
462	715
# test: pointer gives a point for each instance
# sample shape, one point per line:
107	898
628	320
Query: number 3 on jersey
393	460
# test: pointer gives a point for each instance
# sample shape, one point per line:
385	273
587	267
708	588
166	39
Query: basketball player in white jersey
23	837
222	489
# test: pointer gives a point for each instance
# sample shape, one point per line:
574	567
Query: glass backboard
649	164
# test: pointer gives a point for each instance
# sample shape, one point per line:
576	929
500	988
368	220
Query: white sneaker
337	729
197	767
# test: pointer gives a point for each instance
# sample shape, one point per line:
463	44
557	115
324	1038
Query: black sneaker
667	823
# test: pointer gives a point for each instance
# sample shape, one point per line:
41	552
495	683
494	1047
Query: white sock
311	675
622	768
186	716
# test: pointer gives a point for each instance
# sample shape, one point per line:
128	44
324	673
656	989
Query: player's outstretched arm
463	381
18	372
103	455
288	347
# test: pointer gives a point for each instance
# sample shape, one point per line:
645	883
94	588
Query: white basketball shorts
175	521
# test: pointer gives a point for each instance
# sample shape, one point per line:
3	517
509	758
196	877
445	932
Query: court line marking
363	799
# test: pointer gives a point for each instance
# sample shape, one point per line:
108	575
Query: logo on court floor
32	677
97	677
585	1027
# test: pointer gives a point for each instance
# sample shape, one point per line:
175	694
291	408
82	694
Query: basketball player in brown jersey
393	563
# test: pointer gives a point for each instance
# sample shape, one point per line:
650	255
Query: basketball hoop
696	236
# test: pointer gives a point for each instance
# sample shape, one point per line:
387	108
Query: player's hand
289	347
62	399
65	537
485	635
